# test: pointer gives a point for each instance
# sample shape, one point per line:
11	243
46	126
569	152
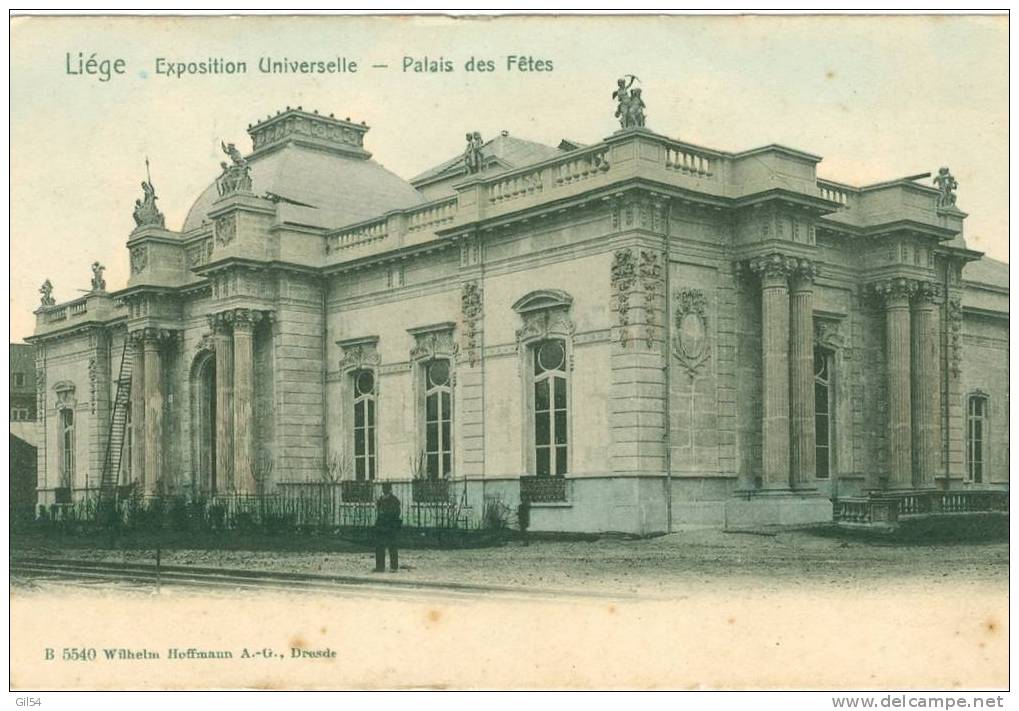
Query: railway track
149	576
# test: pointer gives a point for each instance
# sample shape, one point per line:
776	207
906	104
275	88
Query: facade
22	392
637	335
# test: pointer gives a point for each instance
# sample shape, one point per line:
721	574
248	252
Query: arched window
823	415
364	424
66	447
976	436
551	417
438	419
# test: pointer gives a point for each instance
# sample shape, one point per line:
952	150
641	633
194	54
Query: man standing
387	527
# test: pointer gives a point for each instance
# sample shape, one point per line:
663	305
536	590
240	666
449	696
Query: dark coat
387	516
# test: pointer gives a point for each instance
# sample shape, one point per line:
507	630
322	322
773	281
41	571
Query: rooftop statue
145	210
947	185
473	157
47	294
98	283
630	106
236	177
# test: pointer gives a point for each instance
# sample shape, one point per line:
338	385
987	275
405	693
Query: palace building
636	334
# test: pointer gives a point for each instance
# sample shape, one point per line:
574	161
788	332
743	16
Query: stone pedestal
801	376
926	385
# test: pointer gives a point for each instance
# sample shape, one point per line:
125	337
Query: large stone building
637	334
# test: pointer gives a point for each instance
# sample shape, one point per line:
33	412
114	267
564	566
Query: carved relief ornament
690	341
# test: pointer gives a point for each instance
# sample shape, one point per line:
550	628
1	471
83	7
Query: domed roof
315	180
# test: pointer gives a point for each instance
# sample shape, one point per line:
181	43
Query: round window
438	372
365	382
551	355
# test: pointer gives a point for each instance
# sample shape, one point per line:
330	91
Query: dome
315	180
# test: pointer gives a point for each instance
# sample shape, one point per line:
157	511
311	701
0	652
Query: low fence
424	505
889	507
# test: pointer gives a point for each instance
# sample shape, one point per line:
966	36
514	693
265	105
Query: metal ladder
115	439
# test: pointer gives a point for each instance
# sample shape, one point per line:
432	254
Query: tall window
438	420
550	410
822	412
976	436
125	455
364	424
66	446
19	380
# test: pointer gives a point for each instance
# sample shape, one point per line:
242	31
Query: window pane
541	395
560	393
371	467
359	414
445	438
820	398
431	407
447	464
560	428
431	437
560	461
359	468
822	462
371	413
358	442
445	406
821	426
541	433
432	466
542	461
370	436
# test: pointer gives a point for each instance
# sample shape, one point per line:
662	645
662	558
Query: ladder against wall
109	479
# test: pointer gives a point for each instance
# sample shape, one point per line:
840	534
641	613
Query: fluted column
224	401
926	384
138	409
897	293
774	270
244	386
153	388
801	375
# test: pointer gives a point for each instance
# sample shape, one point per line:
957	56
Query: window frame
66	444
370	403
550	376
972	398
427	391
830	414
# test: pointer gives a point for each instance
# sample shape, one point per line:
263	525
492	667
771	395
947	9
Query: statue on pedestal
473	157
236	177
47	294
98	283
947	186
145	210
630	106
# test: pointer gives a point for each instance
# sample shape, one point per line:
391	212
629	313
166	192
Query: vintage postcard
531	352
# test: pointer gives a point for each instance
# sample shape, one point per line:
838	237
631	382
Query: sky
878	97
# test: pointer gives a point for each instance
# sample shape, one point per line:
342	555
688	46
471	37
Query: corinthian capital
894	288
927	292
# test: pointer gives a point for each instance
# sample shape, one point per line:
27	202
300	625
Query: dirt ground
690	561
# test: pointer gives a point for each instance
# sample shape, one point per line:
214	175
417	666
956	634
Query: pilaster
896	294
926	383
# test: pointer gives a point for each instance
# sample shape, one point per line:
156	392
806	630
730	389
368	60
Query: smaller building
22	382
24	432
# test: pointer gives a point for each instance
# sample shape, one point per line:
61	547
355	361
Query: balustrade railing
582	167
359	235
432	215
689	161
834	192
891	506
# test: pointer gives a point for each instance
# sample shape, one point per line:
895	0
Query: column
801	375
896	294
137	409
153	411
926	384
774	270
244	386
224	402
